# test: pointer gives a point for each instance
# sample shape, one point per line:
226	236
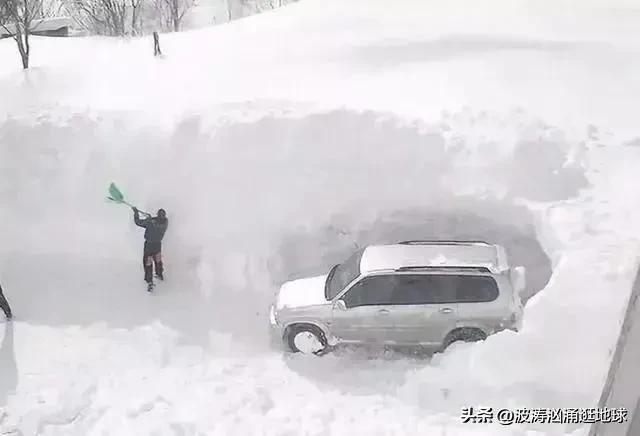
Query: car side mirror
341	305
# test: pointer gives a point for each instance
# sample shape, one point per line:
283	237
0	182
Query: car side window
476	289
424	289
443	289
370	291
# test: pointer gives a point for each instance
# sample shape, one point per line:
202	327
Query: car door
423	309
366	314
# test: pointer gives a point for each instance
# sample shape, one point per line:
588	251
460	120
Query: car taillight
515	321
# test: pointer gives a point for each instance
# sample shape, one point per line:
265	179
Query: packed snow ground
276	144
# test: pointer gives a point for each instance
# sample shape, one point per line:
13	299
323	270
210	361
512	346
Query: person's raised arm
136	218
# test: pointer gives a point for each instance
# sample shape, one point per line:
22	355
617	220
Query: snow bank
417	61
300	135
235	193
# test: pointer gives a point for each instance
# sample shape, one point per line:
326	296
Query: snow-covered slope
276	144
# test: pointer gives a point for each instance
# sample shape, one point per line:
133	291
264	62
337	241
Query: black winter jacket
154	227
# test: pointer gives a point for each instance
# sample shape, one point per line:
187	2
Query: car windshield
343	274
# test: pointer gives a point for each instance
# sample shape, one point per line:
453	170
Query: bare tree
229	15
135	16
162	15
4	16
171	12
258	6
178	10
101	17
17	19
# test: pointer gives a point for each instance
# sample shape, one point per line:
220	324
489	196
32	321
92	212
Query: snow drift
277	144
250	202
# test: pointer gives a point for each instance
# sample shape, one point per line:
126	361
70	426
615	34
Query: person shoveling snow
155	228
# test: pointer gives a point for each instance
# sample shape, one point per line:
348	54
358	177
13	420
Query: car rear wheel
464	335
306	339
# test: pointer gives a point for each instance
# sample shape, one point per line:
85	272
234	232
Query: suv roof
442	242
434	254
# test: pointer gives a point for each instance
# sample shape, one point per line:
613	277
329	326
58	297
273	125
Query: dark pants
4	304
152	256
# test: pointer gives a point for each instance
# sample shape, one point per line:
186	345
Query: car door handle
446	310
383	312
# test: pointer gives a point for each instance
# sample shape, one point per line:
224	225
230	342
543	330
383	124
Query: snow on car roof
392	257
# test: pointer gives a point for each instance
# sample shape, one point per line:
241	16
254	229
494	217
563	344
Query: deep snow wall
259	195
256	201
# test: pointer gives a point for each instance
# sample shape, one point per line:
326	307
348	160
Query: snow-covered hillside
276	144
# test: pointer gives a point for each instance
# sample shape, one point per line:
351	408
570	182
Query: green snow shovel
117	197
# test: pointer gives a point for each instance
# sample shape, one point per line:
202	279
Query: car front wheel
307	339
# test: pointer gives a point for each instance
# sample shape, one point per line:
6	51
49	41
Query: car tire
307	339
464	335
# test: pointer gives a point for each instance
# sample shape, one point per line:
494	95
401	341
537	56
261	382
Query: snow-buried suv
413	293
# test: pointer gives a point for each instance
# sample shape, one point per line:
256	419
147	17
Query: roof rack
443	242
448	268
